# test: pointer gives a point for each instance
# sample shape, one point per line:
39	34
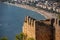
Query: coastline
46	14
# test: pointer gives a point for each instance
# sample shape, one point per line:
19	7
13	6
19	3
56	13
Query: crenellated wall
41	30
29	27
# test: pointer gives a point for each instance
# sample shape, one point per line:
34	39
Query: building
48	29
30	0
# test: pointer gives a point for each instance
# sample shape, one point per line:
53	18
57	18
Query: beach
48	15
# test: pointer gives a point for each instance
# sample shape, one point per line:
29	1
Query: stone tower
29	27
41	30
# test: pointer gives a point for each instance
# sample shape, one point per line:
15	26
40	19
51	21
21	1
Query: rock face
48	29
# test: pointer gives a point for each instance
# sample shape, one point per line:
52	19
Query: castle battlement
29	20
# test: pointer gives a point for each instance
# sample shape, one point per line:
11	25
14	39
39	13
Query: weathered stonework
41	30
57	30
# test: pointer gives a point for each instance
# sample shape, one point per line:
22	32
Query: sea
12	19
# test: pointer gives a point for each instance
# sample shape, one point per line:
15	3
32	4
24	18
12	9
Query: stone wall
44	30
41	30
29	27
57	28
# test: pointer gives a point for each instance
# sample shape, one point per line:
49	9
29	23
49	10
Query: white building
14	0
30	0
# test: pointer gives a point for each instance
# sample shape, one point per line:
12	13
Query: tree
21	36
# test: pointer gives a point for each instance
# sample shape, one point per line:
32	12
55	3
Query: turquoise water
12	18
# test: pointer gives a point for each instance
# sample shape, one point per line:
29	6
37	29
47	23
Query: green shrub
4	38
30	38
20	36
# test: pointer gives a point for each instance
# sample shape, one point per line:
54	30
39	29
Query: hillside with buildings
48	5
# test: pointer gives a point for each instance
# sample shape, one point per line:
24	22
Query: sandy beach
47	15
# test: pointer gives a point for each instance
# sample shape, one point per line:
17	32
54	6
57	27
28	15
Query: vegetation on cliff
21	36
4	38
30	39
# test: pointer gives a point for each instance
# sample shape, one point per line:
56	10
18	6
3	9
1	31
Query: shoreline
46	14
